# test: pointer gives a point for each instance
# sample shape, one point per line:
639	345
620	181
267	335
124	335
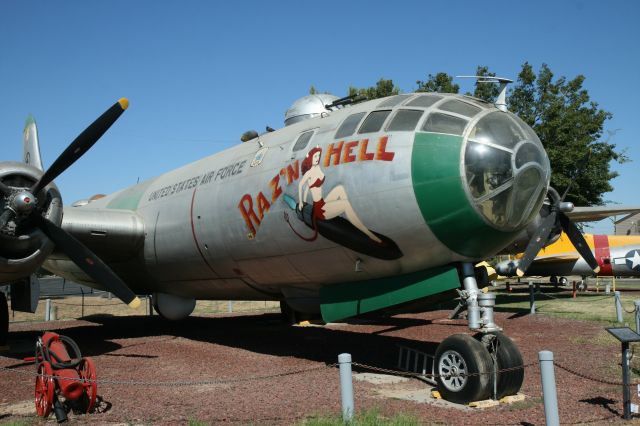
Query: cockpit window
349	125
393	101
424	101
461	108
444	123
498	128
405	120
487	168
303	140
374	121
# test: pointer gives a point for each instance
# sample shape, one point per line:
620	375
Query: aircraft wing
558	258
590	214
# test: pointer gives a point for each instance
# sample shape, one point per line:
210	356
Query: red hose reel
62	371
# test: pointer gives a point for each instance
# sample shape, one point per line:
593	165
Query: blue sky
200	73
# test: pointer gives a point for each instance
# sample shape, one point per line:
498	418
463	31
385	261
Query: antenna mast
501	102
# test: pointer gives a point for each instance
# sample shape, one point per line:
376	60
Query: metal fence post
637	313
47	310
549	392
618	306
532	298
346	386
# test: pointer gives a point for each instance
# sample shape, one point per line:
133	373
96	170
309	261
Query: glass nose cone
506	169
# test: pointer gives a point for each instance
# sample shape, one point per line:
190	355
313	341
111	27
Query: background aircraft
617	255
350	208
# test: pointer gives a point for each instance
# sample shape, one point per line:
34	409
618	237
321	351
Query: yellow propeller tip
597	269
124	103
134	303
519	272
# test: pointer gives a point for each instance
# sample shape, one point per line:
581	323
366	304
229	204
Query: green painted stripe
129	198
438	186
346	300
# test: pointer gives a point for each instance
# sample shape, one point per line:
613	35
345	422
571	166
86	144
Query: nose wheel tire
507	356
463	367
45	388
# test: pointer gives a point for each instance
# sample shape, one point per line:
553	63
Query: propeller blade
5	189
538	241
578	241
81	144
5	217
87	261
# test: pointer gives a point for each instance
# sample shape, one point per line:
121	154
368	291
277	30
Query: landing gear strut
470	368
4	319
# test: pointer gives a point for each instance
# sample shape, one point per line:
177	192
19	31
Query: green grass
366	418
596	307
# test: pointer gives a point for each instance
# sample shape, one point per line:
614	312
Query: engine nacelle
521	242
24	248
173	307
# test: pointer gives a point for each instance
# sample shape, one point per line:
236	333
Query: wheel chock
435	394
487	403
510	399
304	323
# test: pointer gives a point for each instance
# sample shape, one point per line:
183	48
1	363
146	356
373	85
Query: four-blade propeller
558	219
22	204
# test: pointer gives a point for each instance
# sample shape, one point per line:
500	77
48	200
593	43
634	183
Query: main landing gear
4	319
482	366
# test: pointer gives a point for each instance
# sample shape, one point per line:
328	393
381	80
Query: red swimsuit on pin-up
318	206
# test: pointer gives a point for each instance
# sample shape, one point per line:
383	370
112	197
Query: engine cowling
23	247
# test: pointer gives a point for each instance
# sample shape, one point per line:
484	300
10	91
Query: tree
486	91
383	88
570	126
441	82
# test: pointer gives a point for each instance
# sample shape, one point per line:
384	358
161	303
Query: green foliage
313	90
383	88
366	418
486	91
570	125
441	82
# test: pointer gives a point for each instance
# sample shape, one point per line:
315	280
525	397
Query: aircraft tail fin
31	146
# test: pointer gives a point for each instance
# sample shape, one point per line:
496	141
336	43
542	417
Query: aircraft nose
506	170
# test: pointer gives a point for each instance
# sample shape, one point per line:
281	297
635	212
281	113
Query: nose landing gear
487	364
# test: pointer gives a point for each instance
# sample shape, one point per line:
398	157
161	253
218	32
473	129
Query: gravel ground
235	351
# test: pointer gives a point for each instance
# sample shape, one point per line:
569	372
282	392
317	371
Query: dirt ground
253	369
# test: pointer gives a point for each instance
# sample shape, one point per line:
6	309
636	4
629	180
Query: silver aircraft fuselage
225	227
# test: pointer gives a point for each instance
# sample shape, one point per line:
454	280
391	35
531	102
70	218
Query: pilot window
303	140
461	108
443	123
349	125
374	121
405	120
393	101
424	101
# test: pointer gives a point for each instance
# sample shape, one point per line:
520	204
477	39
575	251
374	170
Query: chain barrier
171	383
55	302
433	375
629	312
590	378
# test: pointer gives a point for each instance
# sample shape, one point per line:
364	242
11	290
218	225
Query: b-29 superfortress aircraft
352	207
